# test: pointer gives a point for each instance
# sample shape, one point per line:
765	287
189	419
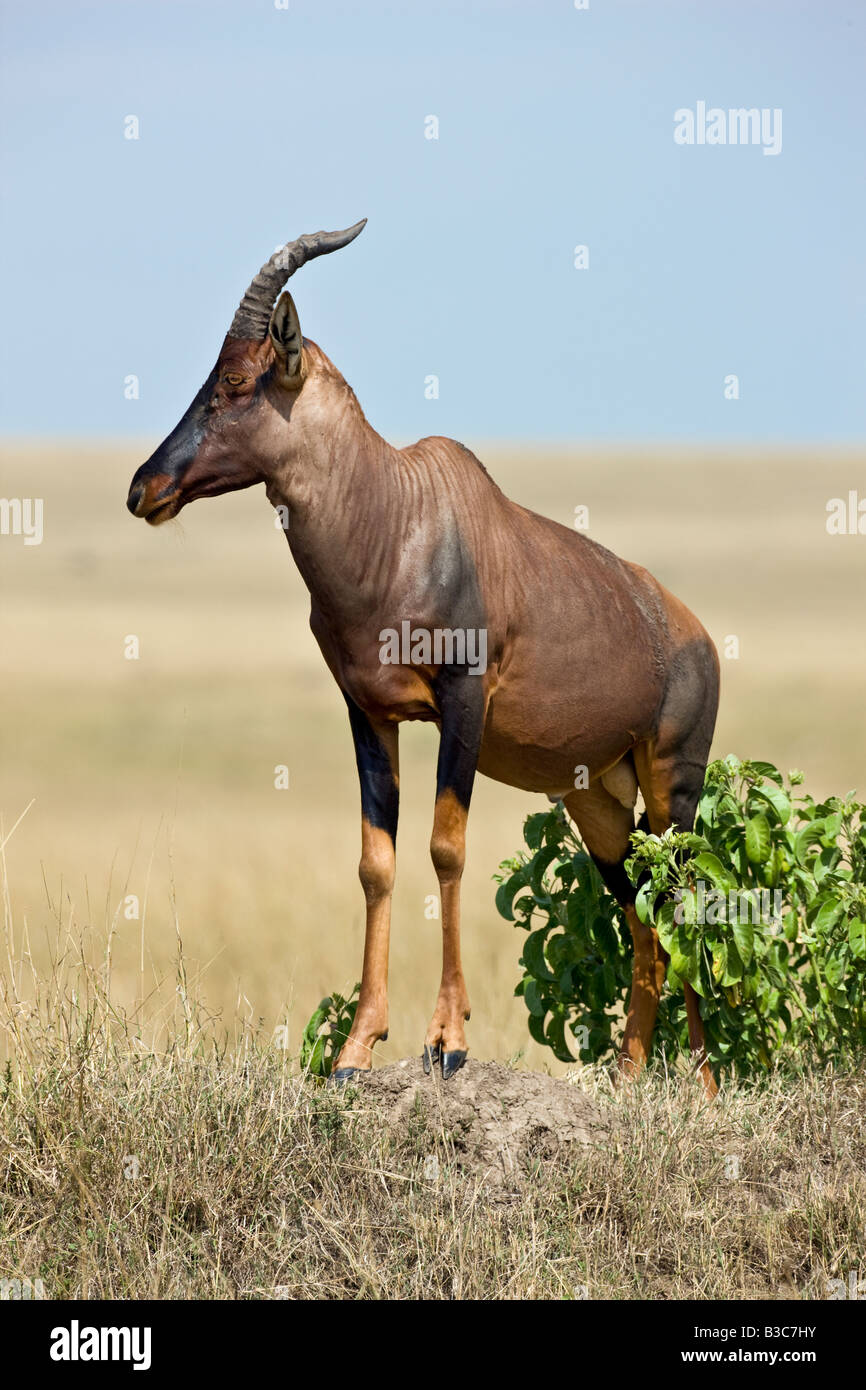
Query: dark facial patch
177	451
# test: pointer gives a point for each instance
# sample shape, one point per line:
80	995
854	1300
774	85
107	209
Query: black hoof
344	1074
452	1062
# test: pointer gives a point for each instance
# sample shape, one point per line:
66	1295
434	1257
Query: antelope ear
285	334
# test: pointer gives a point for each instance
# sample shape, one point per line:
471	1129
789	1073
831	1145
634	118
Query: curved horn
254	311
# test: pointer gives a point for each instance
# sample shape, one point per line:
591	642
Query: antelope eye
234	379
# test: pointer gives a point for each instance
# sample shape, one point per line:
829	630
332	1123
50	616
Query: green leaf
578	915
827	915
744	936
707	806
758	841
506	893
606	938
777	799
733	966
666	924
644	901
534	958
555	1038
832	826
609	979
532	998
836	965
857	938
710	867
537	868
533	828
805	838
767	770
314	1058
536	1028
684	957
727	807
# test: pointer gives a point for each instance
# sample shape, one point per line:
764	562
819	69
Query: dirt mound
495	1121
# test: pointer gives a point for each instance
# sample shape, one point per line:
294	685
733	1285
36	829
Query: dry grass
207	1167
129	1175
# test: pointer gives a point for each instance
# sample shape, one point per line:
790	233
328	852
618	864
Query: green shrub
326	1031
761	908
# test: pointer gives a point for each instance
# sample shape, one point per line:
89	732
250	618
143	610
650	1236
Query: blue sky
555	129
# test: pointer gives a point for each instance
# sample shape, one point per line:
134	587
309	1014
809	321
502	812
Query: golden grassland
155	777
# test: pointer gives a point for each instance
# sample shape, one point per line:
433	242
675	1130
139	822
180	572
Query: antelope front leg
462	706
376	753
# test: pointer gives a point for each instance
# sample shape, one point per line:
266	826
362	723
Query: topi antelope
588	662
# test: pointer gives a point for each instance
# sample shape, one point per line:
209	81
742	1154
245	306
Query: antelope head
222	442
